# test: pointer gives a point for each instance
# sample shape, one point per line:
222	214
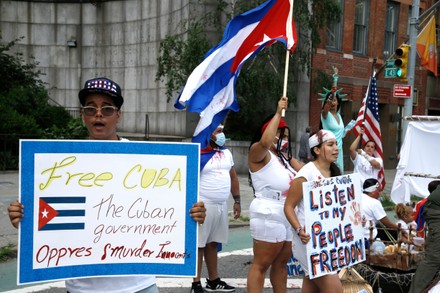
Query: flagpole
286	66
286	73
366	100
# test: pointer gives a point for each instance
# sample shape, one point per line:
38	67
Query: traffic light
401	61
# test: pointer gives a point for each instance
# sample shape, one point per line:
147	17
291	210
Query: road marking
247	251
38	288
176	282
236	282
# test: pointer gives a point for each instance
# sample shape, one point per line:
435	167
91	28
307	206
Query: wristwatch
298	229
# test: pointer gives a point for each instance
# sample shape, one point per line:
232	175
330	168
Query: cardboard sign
333	220
95	208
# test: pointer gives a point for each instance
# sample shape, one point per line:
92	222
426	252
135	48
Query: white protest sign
107	208
333	220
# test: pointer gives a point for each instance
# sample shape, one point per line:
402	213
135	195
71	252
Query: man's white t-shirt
373	211
215	178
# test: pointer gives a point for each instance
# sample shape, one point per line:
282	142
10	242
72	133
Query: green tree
24	105
261	78
177	57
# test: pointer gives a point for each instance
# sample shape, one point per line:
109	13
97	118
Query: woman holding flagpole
325	151
364	161
271	168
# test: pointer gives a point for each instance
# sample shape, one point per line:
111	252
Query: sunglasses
105	111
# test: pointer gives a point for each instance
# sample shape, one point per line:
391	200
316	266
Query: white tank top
273	179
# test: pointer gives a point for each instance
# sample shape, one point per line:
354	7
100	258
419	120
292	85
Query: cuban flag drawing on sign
210	89
61	213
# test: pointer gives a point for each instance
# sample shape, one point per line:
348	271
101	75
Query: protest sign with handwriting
107	208
333	220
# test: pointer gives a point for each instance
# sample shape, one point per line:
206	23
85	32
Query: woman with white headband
325	153
271	169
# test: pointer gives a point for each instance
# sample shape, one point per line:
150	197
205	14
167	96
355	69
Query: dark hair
370	140
433	185
287	156
369	182
334	169
327	96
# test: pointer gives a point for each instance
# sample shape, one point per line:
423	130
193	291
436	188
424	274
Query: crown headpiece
335	90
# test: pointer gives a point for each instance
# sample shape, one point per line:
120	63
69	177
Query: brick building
371	30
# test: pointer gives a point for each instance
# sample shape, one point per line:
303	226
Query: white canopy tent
419	161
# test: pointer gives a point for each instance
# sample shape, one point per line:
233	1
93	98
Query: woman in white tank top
272	168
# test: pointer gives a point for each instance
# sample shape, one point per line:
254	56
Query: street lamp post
413	25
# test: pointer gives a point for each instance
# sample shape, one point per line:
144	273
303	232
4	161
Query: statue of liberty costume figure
331	118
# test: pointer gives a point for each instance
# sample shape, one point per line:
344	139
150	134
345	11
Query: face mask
220	139
284	144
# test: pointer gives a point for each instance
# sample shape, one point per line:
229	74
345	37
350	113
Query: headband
282	124
320	137
372	188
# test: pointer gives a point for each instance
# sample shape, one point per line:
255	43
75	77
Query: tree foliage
261	78
177	57
15	71
24	105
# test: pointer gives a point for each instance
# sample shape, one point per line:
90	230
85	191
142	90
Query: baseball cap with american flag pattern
102	85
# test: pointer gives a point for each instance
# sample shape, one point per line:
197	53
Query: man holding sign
322	209
101	102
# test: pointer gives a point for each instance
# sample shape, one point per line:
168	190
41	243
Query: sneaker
196	287
218	286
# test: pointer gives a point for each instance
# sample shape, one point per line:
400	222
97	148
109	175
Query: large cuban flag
210	89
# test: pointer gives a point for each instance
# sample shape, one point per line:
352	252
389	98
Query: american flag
370	118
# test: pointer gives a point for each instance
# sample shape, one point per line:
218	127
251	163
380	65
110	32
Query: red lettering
53	256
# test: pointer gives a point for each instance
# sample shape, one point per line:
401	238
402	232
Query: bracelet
297	230
237	201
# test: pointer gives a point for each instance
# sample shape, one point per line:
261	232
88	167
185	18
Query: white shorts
268	222
216	225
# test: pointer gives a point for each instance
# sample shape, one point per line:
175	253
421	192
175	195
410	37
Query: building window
392	17
360	27
334	31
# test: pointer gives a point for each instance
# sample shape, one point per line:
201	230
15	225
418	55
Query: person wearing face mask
271	169
218	179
